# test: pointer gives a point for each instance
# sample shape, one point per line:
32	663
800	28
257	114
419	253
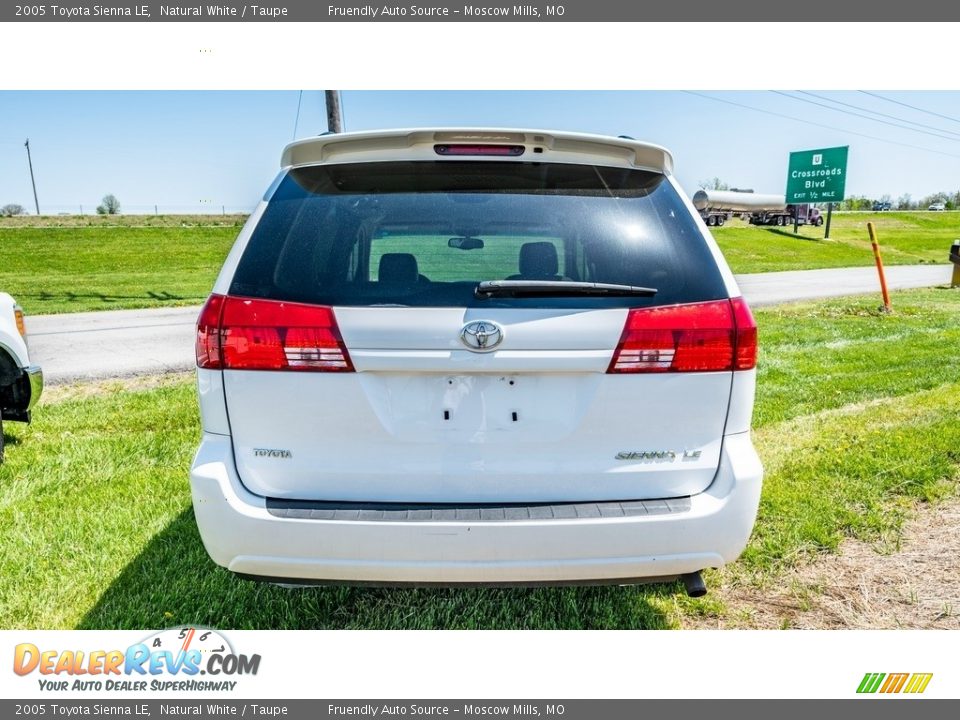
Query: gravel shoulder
914	584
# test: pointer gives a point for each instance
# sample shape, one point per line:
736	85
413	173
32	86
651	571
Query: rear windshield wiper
554	288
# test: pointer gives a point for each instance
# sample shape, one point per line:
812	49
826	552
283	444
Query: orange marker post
954	258
876	256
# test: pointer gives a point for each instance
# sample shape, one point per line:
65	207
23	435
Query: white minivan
475	356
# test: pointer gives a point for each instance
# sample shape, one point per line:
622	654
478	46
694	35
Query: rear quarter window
425	234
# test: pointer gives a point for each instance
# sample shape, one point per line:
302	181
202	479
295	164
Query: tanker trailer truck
717	206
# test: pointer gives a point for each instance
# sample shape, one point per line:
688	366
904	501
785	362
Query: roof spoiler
543	145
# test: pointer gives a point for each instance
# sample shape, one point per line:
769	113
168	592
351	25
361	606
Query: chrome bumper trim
35	376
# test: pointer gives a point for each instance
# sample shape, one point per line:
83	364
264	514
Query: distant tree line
109	206
11	210
950	200
714	184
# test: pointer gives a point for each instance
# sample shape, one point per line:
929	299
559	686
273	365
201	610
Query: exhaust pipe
694	584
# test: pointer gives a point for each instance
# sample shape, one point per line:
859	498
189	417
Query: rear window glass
424	234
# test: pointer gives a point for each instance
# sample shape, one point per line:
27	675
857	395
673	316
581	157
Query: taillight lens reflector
699	337
746	355
208	334
236	333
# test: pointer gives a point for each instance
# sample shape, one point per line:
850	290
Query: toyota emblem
481	335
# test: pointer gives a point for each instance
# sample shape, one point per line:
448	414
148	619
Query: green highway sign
817	175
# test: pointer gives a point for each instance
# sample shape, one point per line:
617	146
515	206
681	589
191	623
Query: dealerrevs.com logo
179	659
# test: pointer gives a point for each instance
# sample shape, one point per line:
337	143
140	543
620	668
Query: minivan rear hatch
472	331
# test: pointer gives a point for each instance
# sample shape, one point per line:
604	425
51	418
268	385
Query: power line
875	112
865	117
912	107
297	121
820	125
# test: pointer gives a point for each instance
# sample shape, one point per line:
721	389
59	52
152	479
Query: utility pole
32	181
334	115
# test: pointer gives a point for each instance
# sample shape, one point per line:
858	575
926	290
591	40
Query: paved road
121	343
779	287
113	343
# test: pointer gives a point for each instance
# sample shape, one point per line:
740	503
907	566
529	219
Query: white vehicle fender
11	341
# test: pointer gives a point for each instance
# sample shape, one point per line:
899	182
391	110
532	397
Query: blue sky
188	151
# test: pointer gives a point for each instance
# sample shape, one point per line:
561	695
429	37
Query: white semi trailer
717	206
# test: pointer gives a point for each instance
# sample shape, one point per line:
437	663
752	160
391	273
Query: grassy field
858	421
74	263
906	238
72	268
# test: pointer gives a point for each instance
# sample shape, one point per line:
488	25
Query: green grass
858	420
905	238
854	472
821	355
72	269
70	264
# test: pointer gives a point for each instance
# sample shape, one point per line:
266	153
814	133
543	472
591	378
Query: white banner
484	664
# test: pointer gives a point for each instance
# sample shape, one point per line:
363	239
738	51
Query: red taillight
700	337
509	150
746	357
250	334
208	334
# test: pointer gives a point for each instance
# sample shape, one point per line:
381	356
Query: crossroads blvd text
371	12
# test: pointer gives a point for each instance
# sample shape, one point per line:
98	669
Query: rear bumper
241	533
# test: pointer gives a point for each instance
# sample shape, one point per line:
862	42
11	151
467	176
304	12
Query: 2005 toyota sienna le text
475	356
